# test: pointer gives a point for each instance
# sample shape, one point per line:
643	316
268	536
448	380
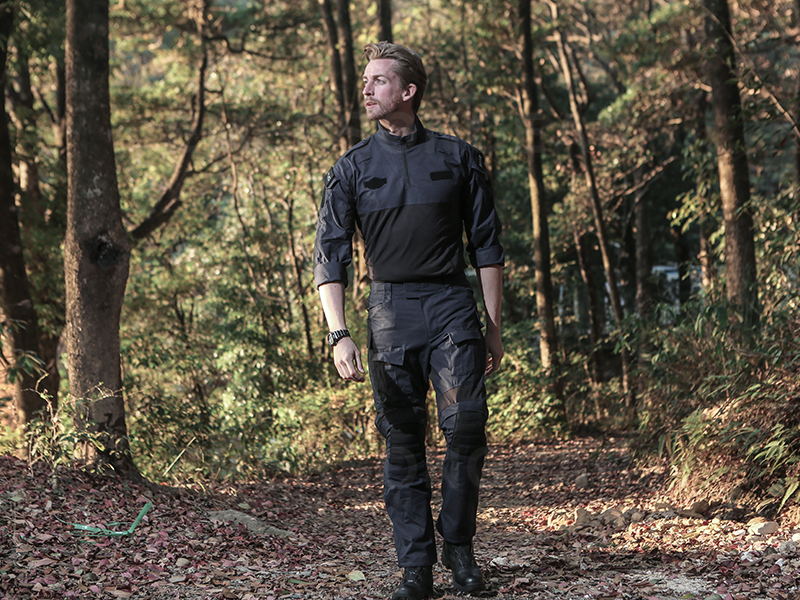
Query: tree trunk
597	209
796	151
350	94
343	72
337	75
595	310
298	276
644	261
682	255
385	20
20	314
39	213
96	249
532	119
708	272
734	178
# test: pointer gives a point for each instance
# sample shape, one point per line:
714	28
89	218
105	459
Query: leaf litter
558	520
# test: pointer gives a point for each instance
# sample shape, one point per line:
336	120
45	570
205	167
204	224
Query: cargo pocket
467	352
391	382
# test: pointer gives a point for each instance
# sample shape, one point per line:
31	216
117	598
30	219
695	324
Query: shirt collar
412	139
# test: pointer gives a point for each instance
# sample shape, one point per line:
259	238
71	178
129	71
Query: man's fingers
347	358
492	364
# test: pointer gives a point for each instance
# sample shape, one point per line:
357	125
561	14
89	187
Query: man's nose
367	91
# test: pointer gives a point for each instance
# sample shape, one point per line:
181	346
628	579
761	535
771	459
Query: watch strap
334	337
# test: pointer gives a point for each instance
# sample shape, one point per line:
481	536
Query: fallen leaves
339	542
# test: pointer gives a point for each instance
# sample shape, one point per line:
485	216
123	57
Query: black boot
467	576
417	584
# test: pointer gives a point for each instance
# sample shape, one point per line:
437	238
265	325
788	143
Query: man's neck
400	124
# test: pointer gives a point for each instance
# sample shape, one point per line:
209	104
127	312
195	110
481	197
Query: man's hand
346	355
347	359
494	352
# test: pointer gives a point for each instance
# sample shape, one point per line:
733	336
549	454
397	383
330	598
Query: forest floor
542	533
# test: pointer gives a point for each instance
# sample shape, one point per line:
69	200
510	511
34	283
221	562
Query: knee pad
469	434
406	444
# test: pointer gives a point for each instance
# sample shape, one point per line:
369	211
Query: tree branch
170	200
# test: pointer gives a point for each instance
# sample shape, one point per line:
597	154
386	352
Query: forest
162	166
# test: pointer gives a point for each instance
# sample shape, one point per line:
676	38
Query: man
413	193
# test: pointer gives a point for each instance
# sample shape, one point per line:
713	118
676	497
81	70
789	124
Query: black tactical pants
420	332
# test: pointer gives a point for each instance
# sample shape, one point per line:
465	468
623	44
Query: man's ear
409	92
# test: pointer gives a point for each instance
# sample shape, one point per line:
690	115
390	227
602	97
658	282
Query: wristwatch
334	337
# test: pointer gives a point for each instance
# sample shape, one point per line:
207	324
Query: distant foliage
226	374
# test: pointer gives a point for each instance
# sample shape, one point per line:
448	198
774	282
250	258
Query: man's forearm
490	279
332	297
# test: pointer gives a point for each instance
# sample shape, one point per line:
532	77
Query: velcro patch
440	175
330	179
375	183
481	163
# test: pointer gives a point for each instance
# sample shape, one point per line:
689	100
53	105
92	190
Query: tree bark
597	208
97	249
18	307
734	177
385	20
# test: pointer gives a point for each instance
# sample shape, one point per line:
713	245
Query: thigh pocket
390	381
465	350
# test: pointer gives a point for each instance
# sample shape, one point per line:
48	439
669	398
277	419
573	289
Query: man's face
383	92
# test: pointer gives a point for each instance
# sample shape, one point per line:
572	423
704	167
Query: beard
381	110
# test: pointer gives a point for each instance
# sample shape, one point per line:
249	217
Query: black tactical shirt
411	197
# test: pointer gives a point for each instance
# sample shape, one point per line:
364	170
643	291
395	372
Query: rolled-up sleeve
333	246
481	222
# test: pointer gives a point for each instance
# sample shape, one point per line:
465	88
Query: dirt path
340	544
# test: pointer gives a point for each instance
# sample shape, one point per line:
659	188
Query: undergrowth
726	413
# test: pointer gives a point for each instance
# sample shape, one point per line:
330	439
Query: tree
343	73
644	261
591	184
532	118
38	39
796	150
20	312
734	177
96	249
385	20
170	199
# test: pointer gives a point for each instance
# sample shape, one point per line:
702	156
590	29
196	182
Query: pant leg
457	365
398	359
